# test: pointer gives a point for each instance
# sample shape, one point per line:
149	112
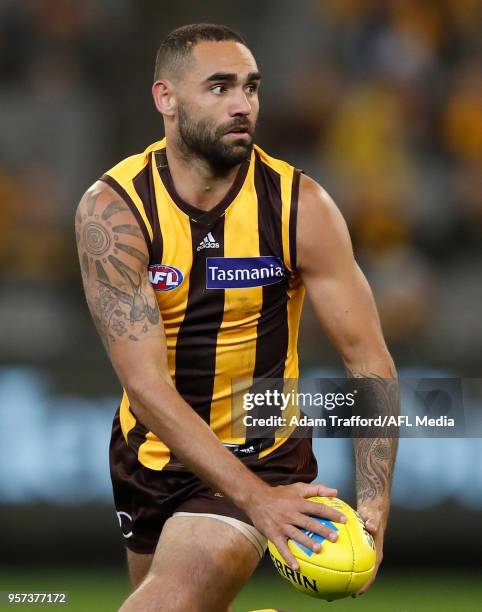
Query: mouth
239	131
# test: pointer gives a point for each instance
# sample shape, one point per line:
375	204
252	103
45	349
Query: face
217	103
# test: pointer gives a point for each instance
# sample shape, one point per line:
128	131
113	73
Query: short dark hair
178	45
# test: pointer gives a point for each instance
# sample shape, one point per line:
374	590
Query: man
161	237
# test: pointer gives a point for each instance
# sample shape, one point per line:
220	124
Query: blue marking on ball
315	536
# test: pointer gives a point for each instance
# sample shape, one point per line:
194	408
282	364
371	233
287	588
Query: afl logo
164	278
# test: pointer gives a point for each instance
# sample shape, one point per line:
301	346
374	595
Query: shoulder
127	169
316	208
101	205
106	230
321	229
314	200
279	166
116	192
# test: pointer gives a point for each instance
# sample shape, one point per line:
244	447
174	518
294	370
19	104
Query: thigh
138	565
199	565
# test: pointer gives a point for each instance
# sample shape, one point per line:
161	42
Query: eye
252	88
218	89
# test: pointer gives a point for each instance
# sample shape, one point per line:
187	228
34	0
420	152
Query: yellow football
341	568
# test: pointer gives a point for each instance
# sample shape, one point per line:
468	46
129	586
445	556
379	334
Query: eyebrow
231	77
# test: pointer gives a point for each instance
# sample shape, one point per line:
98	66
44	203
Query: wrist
379	505
248	494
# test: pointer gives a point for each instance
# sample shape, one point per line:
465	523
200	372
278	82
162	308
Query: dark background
378	100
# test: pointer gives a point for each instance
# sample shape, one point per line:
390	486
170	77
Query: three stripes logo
208	242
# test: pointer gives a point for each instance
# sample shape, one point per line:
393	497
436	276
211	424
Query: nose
240	104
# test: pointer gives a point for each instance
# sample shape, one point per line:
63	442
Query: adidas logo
247	451
208	242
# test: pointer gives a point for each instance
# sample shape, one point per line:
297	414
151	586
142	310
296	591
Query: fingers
301	538
326	491
316	526
371	526
365	588
284	551
323	511
315	490
372	523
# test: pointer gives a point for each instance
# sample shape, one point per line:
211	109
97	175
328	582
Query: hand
281	512
374	515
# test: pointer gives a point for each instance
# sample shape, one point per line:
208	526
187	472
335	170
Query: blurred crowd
381	102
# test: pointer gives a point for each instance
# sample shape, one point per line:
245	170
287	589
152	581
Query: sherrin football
341	568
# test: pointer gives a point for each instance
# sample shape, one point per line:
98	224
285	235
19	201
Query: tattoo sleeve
113	262
375	456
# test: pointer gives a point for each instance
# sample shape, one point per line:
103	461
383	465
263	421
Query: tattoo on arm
375	457
113	263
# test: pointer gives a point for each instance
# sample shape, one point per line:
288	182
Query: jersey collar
209	217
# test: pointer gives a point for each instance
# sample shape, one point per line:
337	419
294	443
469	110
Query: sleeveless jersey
227	288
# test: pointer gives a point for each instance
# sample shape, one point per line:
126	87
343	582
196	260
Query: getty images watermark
354	407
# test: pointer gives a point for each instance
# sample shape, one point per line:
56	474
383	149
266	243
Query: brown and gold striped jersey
226	284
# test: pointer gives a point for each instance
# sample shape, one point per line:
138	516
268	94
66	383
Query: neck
198	183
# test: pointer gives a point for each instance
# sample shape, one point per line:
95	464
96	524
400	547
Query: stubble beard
202	139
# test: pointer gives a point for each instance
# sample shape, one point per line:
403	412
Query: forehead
211	57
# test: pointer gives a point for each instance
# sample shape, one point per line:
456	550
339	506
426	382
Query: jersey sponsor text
238	272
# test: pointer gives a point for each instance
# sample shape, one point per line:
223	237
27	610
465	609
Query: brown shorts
145	498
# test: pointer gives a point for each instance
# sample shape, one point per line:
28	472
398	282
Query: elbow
141	390
135	390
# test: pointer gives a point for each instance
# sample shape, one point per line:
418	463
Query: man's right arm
113	259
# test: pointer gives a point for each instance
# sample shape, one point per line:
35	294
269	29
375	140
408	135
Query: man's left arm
345	307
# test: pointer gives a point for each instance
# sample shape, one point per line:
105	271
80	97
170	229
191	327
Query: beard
204	139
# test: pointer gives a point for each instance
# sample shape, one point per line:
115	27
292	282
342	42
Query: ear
164	97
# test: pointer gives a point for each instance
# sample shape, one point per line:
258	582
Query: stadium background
381	102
